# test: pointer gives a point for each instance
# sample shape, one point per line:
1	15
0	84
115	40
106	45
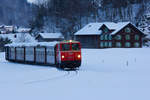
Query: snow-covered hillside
105	74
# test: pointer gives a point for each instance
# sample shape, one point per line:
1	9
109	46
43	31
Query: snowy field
107	74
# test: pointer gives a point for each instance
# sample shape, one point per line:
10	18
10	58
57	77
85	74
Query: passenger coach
65	54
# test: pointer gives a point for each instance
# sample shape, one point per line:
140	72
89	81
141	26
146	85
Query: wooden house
110	35
49	37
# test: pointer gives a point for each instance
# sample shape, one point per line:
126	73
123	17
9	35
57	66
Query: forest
15	12
68	16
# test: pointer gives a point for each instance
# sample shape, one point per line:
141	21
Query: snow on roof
9	26
32	44
119	26
90	29
51	35
93	28
23	30
110	25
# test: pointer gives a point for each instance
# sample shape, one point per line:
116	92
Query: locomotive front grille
71	64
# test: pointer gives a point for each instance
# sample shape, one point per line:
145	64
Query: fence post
45	55
15	54
34	55
24	54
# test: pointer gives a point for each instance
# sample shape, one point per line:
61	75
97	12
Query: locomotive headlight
62	56
79	56
70	40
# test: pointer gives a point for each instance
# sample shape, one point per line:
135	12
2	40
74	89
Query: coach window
75	46
65	47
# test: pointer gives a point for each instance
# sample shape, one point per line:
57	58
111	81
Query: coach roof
32	44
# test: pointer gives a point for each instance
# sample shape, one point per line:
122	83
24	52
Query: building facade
110	35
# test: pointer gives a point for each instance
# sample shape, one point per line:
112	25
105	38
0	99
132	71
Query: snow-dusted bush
3	42
147	41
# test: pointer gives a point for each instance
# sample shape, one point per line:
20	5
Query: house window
118	44
137	37
110	37
127	37
118	37
106	44
102	37
127	30
137	44
110	44
105	30
106	37
101	44
127	44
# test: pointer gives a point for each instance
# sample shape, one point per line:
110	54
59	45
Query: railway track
68	74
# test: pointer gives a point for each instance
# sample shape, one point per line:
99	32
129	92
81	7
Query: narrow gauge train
65	54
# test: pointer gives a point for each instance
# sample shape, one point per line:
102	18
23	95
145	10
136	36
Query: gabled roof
51	35
119	26
90	29
111	25
93	28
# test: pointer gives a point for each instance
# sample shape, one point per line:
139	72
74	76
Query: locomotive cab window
65	47
75	46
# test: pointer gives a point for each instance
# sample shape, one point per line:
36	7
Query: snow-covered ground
105	74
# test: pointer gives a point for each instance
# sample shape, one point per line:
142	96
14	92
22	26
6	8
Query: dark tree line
66	14
3	42
121	3
15	12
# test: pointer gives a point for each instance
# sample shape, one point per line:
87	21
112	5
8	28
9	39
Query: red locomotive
65	54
